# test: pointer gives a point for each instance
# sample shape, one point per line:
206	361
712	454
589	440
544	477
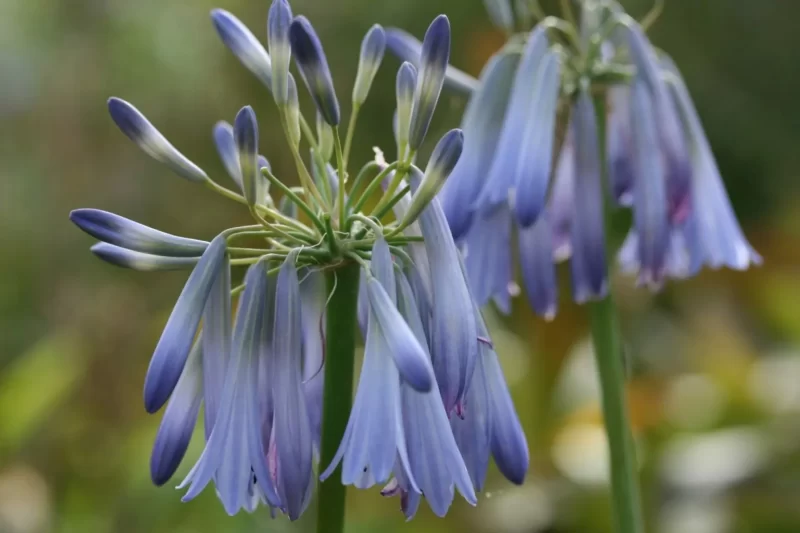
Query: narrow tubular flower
452	324
244	45
280	50
138	129
487	257
519	113
434	459
411	359
126	233
235	449
408	48
619	144
713	235
561	207
589	276
649	189
374	439
500	13
245	132
125	258
179	420
674	151
216	345
313	67
482	123
312	299
433	60
176	340
405	85
372	49
444	158
534	162
537	267
292	429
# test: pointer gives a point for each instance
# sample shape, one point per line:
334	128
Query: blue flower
278	22
126	258
244	45
404	87
372	49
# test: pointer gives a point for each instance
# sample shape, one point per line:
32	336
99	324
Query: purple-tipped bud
138	129
310	58
126	233
125	258
405	85
372	49
245	132
443	159
226	148
280	50
176	340
408	48
244	45
432	65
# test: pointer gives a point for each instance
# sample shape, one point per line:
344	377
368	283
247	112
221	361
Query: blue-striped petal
228	153
677	164
179	420
176	340
245	133
502	173
538	268
482	123
313	299
372	49
487	257
244	45
313	67
713	233
138	129
452	324
588	265
535	161
216	344
433	60
408	48
126	233
650	188
404	87
472	428
294	442
444	158
620	144
280	50
140	261
434	458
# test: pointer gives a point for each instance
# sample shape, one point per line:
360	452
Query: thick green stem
627	502
340	345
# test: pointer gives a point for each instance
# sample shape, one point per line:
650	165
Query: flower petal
372	49
619	146
176	340
312	299
138	129
280	50
537	267
142	262
313	67
405	85
245	133
482	123
244	45
487	257
434	55
216	343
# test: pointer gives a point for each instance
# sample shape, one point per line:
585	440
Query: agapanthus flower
532	117
430	391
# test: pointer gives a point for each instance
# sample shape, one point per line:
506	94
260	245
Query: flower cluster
579	102
431	405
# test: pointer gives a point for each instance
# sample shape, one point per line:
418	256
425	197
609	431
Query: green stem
342	177
351	128
606	336
340	345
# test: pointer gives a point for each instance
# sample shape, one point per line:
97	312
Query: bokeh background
714	362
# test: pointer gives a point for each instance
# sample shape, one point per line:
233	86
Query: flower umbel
262	373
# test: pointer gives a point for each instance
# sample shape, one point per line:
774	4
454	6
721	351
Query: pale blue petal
537	267
487	257
142	262
244	45
434	56
216	342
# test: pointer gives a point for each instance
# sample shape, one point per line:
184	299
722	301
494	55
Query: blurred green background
714	362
